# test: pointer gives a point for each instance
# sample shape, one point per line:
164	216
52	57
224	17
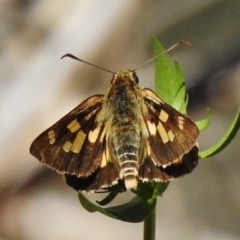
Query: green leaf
225	140
180	100
110	197
140	206
159	188
169	79
203	124
150	190
136	210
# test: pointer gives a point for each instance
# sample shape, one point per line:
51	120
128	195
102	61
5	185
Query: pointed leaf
225	140
134	211
169	79
159	188
203	124
110	197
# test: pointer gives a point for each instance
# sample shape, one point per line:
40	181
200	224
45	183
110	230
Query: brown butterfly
127	135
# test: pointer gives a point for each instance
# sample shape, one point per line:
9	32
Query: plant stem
149	226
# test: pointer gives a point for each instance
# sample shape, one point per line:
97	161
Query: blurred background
37	89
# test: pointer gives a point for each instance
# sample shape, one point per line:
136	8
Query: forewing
73	145
171	134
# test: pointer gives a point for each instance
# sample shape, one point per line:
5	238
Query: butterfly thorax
124	107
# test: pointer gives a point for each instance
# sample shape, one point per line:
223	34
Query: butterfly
127	135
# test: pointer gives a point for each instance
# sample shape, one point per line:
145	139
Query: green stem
149	226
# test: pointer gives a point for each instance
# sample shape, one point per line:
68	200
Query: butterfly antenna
183	42
80	60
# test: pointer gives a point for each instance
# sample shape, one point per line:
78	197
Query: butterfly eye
135	77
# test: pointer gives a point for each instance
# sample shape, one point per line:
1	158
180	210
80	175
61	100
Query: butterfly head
125	75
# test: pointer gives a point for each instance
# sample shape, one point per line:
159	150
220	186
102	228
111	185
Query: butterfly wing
171	141
150	172
103	178
74	145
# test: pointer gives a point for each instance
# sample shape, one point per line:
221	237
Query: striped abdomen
127	153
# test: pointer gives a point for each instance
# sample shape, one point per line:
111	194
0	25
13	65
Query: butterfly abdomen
127	153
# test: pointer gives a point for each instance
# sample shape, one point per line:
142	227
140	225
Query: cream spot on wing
67	146
51	136
103	161
147	149
162	132
78	142
103	134
152	128
170	135
149	94
106	152
180	122
74	126
93	135
163	116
